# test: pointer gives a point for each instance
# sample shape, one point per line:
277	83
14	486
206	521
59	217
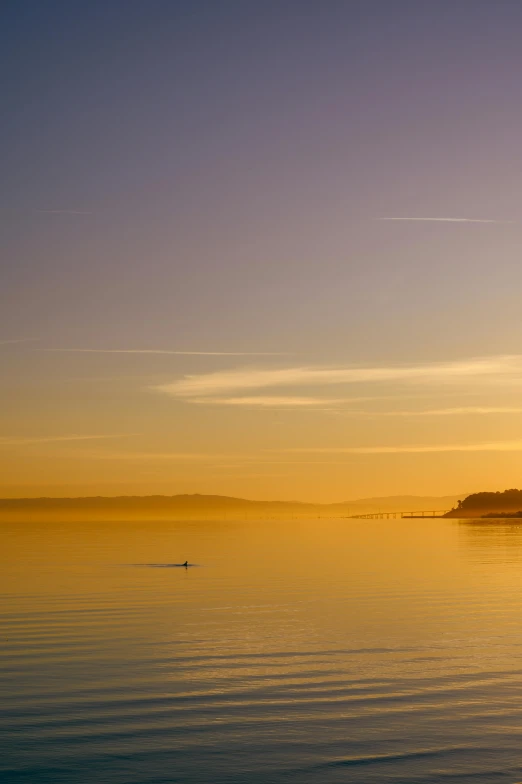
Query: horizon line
240	498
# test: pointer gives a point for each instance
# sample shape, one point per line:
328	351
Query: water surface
320	651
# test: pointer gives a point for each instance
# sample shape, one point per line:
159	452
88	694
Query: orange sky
263	254
79	423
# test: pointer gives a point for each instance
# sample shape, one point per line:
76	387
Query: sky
263	249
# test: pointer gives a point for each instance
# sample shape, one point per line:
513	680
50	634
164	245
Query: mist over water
361	651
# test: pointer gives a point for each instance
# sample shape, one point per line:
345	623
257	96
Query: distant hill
191	507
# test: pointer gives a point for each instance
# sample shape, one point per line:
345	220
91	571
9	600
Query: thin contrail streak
449	220
163	351
65	212
17	340
22	441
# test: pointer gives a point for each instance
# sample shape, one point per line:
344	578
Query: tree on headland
508	499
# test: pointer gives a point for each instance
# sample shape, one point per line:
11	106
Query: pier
431	513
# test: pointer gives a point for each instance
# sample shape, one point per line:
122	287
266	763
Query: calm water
327	651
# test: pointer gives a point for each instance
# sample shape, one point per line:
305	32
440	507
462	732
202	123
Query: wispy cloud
218	460
167	351
495	446
26	440
65	212
17	340
341	406
183	457
448	220
460	411
216	384
268	402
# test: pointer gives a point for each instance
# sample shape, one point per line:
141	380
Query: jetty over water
401	515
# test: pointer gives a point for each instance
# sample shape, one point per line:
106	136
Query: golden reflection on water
495	539
382	636
290	586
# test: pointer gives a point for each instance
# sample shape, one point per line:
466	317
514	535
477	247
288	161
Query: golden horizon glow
419	429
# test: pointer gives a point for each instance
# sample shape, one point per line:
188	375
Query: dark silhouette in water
185	565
